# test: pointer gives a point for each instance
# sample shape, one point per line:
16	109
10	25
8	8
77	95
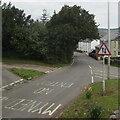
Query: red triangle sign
103	50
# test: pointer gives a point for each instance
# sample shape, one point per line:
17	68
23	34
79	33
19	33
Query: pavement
47	96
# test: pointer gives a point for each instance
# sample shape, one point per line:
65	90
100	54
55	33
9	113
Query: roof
98	46
113	35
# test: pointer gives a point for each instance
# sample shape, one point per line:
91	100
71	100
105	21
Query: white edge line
89	66
12	84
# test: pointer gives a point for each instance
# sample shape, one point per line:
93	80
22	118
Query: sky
97	7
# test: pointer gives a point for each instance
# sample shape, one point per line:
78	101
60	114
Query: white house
88	46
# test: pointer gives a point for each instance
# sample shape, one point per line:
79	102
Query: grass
116	65
24	73
32	62
115	58
108	102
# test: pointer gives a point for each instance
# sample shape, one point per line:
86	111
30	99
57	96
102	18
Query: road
8	77
45	97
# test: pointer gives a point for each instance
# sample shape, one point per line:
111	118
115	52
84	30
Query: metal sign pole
108	74
103	75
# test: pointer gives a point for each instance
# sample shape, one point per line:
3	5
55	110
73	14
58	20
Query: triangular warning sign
103	50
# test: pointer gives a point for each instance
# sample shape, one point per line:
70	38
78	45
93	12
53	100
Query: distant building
114	44
88	46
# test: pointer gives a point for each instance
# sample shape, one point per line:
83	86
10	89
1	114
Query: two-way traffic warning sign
103	50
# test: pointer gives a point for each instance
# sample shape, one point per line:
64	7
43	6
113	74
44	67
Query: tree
12	17
60	45
66	29
30	41
44	17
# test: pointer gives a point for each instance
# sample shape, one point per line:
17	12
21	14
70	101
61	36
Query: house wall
87	47
119	47
114	48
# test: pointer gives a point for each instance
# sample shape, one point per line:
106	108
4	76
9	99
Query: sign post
103	51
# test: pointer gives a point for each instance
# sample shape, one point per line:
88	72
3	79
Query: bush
95	111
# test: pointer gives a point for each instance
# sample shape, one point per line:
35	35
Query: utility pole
108	74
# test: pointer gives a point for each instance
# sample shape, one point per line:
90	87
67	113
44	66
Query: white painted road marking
100	77
49	111
92	79
91	74
105	74
58	84
89	66
43	90
11	84
33	106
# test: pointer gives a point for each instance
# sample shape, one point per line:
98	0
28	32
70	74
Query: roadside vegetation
51	41
32	62
92	104
116	65
25	73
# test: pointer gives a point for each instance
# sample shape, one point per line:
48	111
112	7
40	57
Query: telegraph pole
108	74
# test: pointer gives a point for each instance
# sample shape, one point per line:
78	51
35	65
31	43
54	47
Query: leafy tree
45	16
53	42
66	29
30	41
60	45
12	17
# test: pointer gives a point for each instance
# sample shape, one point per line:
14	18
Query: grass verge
24	73
116	65
108	103
32	62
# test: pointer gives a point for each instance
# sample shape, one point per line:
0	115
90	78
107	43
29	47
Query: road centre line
91	74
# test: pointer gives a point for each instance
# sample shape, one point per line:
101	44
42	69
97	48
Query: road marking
3	98
105	74
100	77
12	84
14	103
43	90
92	79
98	71
90	67
49	111
33	106
91	74
40	109
58	84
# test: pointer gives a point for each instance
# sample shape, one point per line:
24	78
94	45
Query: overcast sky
96	7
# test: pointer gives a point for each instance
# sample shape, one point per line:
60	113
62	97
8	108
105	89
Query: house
114	42
88	45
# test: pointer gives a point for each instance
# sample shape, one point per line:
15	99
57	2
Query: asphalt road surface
46	96
8	77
